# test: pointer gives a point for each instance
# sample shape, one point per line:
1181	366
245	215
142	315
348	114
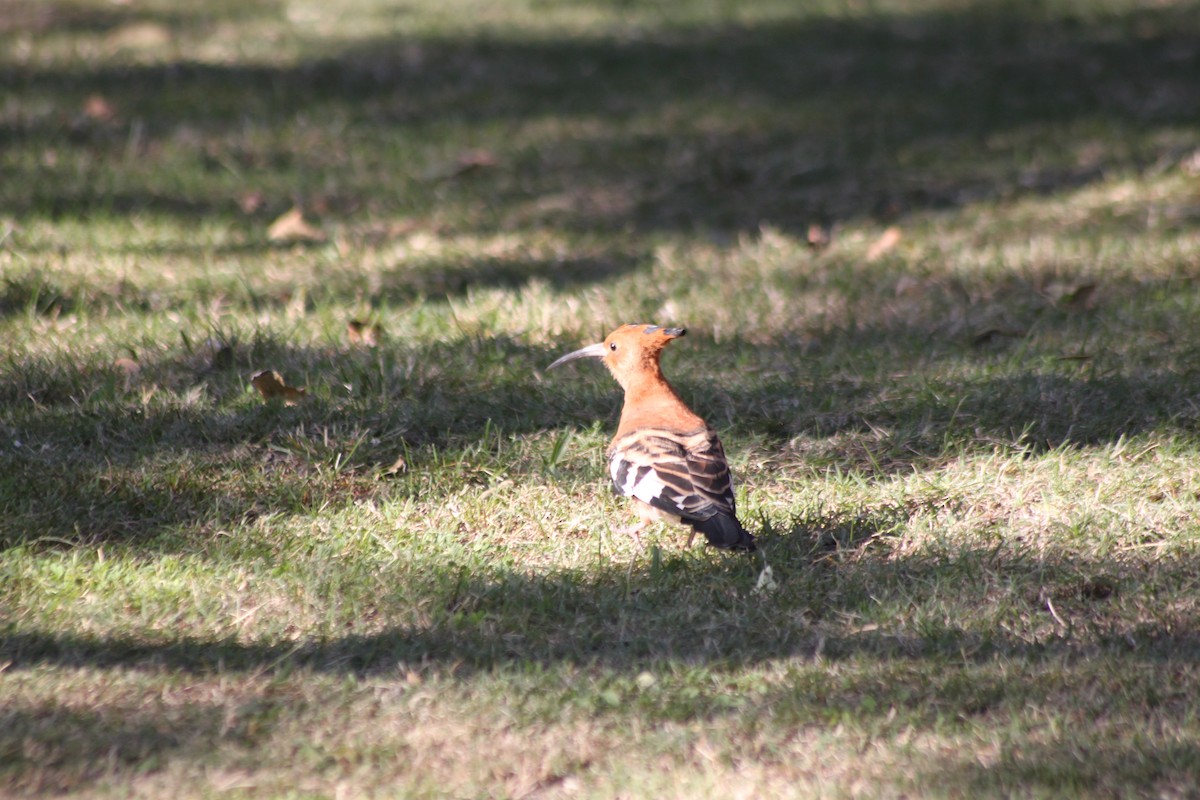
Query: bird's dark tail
725	532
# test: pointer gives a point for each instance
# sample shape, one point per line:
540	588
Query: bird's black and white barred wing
684	474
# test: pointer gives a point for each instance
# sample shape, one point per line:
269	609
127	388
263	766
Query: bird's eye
612	345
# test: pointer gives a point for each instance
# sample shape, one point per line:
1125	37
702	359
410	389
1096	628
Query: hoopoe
664	456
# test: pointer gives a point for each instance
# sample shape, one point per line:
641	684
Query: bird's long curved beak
591	351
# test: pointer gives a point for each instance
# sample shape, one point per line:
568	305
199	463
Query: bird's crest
640	336
669	333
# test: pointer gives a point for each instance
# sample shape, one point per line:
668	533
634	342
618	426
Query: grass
970	456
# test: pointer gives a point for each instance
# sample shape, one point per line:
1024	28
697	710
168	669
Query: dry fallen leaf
1072	296
359	332
292	227
398	467
129	369
886	241
139	36
476	159
988	335
1190	164
404	226
127	366
909	286
468	161
98	109
819	236
271	386
251	201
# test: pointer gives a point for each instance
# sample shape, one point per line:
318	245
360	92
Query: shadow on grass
25	17
444	278
676	609
1068	768
723	128
52	749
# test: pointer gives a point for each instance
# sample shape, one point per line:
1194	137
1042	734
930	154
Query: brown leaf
251	201
1071	295
320	204
909	285
819	236
468	161
292	227
128	366
271	386
886	241
1190	164
359	332
98	109
402	227
988	335
398	467
139	36
476	159
129	369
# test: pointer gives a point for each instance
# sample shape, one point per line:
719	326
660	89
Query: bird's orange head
629	351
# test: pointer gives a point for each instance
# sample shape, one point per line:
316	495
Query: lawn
938	263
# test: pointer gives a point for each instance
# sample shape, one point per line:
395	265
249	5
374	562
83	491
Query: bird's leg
691	537
635	531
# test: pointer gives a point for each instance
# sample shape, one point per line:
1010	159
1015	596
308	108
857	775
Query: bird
664	456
